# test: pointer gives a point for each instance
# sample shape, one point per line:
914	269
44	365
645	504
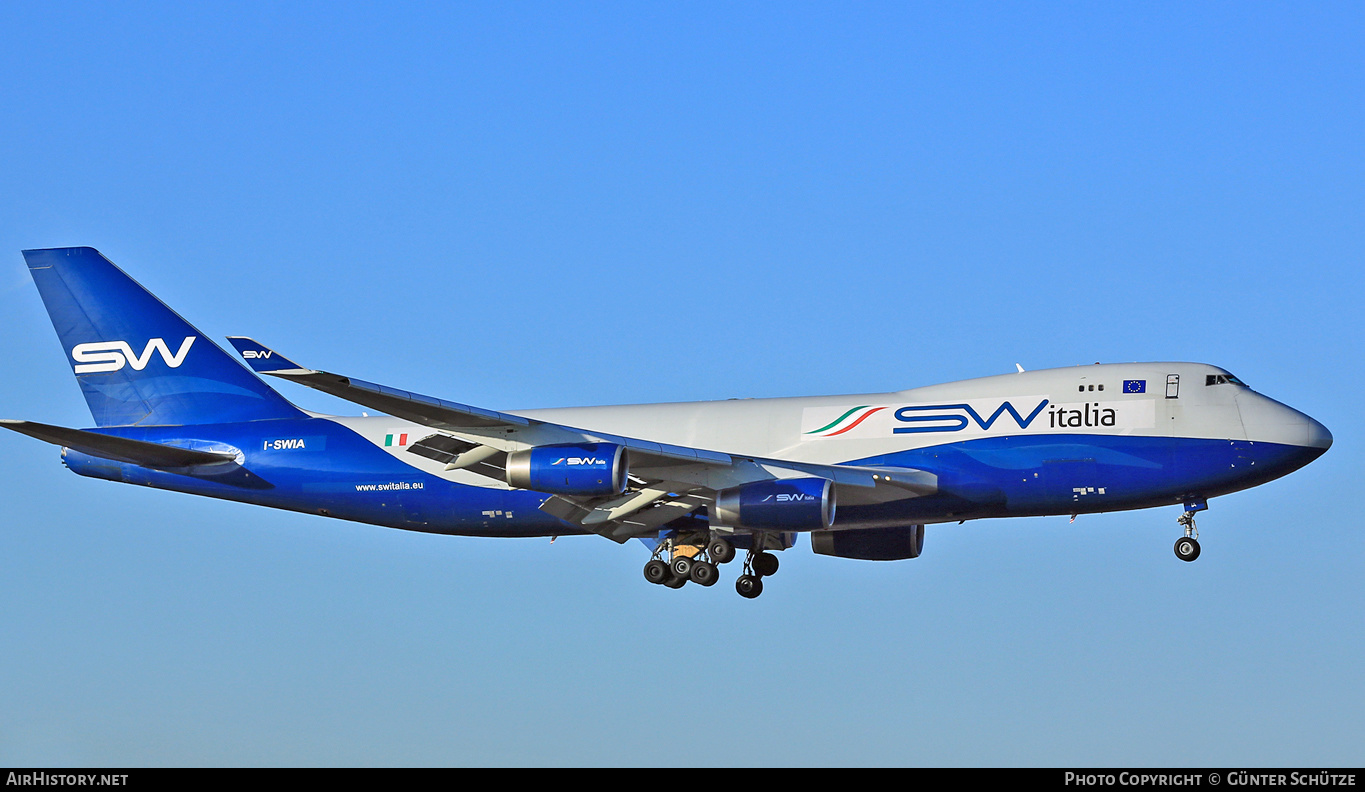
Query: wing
666	481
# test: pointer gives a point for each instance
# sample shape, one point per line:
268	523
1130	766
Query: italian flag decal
395	439
845	422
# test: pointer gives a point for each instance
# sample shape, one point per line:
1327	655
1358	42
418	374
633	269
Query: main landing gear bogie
756	567
700	568
703	566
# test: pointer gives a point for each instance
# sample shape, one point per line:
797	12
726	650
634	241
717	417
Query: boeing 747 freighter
697	483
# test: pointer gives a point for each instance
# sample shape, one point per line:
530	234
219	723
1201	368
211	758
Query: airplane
695	482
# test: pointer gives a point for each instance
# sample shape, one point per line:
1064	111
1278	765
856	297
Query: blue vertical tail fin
137	361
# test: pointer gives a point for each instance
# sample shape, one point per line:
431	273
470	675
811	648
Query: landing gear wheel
675	582
657	571
765	565
682	567
721	551
749	586
704	573
1187	548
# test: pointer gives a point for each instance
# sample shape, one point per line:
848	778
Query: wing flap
457	454
630	516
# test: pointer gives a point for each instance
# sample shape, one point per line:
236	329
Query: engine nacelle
583	470
871	544
804	504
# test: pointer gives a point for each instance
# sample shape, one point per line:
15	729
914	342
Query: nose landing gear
1187	546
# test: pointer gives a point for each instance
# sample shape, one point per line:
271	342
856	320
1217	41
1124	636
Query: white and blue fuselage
1059	441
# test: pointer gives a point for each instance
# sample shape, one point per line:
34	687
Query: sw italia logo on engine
590	461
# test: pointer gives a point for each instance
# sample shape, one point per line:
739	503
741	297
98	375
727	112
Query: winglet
262	359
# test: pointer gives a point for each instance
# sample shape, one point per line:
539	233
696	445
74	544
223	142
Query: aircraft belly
1060	474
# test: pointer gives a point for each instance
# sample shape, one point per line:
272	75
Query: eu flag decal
1135	386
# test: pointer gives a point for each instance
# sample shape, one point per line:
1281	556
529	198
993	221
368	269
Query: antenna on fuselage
1021	368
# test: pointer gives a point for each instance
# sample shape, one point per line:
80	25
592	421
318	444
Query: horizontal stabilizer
119	449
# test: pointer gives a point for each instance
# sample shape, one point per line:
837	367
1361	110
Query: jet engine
580	470
803	504
870	544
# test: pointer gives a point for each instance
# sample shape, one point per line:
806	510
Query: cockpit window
1222	379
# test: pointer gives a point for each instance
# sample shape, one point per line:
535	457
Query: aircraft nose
1267	420
1318	436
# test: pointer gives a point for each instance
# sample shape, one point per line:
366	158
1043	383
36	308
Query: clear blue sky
524	205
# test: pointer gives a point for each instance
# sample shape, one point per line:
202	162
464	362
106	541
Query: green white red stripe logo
395	439
846	421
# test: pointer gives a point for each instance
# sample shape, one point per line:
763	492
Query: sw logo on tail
101	356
